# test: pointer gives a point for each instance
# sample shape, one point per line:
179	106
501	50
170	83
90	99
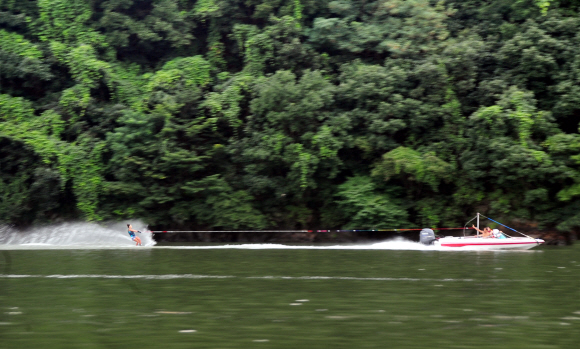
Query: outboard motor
427	236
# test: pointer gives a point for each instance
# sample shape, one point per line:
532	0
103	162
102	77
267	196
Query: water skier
132	232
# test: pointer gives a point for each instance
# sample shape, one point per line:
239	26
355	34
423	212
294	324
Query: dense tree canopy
262	114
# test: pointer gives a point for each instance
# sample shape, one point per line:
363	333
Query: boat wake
395	244
84	235
72	235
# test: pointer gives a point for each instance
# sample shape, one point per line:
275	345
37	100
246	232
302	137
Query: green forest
296	114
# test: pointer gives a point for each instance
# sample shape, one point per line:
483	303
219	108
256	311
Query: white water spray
79	234
114	235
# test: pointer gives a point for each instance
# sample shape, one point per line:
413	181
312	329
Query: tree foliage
279	114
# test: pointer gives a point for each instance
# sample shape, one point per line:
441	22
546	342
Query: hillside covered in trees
261	114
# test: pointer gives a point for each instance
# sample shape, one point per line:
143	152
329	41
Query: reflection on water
285	298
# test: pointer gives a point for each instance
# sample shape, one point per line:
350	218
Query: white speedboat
498	240
508	243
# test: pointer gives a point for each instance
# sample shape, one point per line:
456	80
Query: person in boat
132	232
498	234
485	233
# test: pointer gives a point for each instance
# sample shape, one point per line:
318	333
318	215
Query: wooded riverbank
268	114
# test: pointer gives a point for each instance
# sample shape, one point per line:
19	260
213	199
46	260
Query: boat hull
514	243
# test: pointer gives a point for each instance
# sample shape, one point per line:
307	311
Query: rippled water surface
207	296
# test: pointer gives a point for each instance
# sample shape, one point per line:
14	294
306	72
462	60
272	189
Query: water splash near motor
75	234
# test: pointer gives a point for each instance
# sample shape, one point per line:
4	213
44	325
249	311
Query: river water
394	294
